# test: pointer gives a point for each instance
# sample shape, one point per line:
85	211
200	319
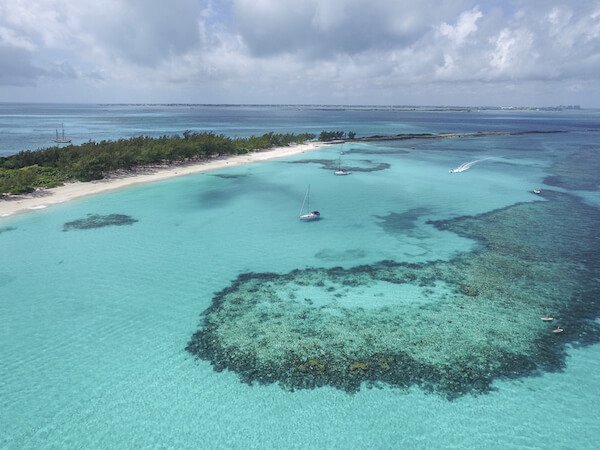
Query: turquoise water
95	322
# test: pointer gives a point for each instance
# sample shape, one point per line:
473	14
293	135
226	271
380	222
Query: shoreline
45	198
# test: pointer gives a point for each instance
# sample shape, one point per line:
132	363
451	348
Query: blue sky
462	52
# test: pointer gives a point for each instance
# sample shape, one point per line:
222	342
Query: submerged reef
351	254
449	327
378	150
404	222
578	170
99	221
332	164
7	229
228	176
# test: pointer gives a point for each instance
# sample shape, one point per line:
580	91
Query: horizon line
339	105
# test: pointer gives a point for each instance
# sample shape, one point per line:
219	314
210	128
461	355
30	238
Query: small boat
466	166
461	168
537	191
309	216
340	171
557	330
60	138
547	318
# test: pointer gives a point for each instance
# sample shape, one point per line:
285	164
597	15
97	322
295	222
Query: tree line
28	170
335	135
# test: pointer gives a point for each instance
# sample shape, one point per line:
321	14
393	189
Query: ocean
200	312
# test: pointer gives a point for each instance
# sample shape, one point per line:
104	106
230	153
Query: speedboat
537	191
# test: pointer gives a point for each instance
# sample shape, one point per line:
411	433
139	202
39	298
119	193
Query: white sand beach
48	197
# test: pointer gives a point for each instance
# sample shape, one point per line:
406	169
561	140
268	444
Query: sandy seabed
48	197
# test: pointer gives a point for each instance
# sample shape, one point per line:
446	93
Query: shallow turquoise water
95	322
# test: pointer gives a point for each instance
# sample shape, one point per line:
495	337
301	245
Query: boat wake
466	166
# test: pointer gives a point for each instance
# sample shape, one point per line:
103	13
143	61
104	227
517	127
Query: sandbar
44	198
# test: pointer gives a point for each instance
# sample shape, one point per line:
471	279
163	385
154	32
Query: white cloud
295	50
11	38
466	25
319	29
512	50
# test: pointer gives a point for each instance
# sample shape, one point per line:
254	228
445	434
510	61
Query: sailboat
60	138
310	215
341	171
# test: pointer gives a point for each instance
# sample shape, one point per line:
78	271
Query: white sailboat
340	171
60	138
310	215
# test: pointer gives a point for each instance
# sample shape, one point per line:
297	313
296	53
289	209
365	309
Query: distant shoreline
406	136
44	198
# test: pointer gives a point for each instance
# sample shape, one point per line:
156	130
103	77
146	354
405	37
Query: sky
386	52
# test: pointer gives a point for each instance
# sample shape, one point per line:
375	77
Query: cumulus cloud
466	25
511	49
319	29
295	50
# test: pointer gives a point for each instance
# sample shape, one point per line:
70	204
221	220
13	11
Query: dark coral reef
334	164
576	170
99	221
450	327
7	229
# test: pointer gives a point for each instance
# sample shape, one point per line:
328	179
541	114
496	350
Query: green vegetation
28	170
333	135
26	179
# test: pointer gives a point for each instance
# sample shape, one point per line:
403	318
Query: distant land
330	107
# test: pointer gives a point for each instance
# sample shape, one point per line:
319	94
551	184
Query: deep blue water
32	126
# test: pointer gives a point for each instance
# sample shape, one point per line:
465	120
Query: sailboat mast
304	201
309	215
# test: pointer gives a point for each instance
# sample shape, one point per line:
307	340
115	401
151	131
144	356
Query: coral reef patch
99	221
7	229
228	176
332	164
449	327
375	150
577	171
351	254
404	222
237	187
